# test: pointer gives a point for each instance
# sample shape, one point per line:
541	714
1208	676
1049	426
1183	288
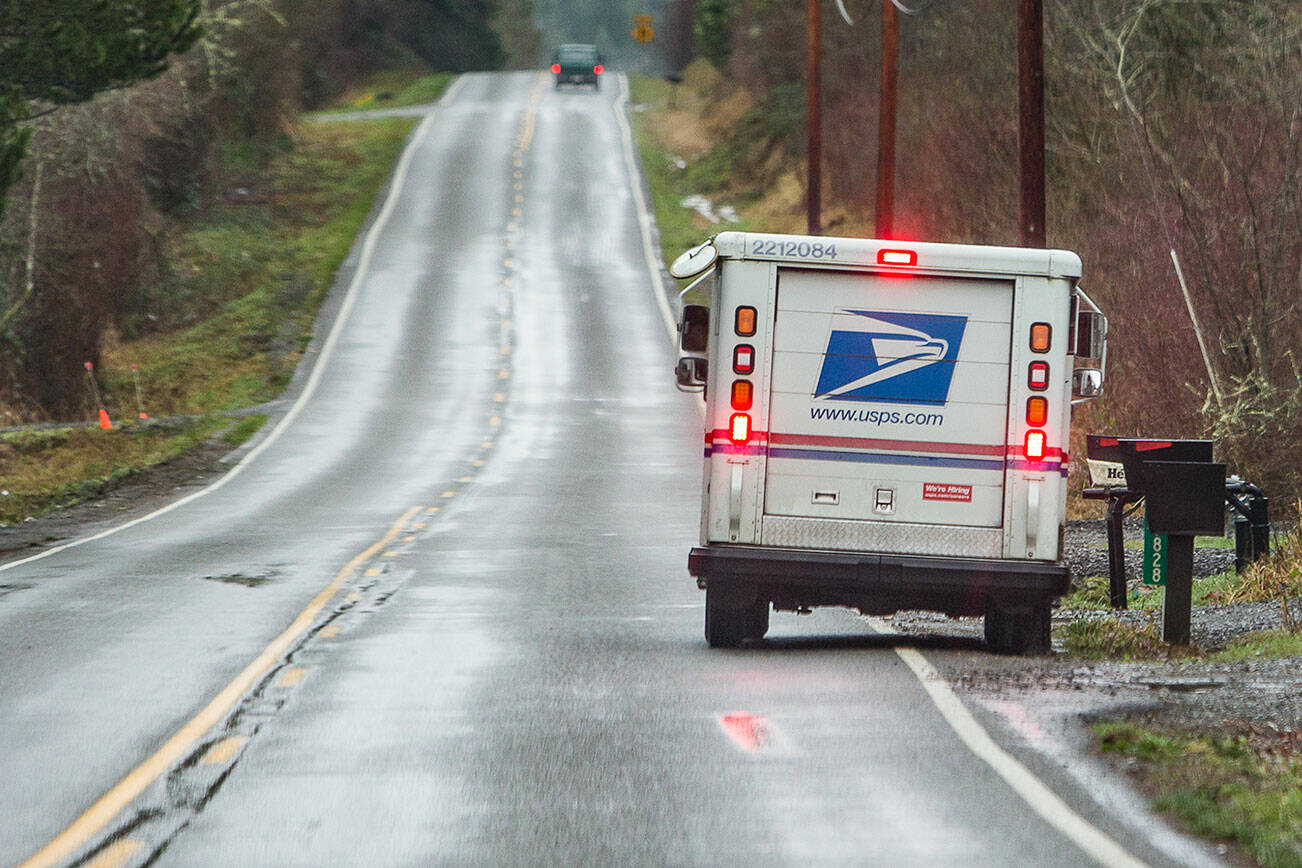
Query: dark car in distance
578	64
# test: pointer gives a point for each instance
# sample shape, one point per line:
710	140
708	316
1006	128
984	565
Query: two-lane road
489	486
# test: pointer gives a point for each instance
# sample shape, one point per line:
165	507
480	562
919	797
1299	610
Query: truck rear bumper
877	584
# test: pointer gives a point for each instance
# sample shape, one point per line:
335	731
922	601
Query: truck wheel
732	615
1018	628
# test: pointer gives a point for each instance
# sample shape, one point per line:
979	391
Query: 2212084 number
800	249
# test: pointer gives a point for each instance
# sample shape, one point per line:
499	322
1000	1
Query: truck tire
733	615
1021	628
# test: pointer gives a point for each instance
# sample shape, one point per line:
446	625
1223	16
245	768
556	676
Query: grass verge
680	228
229	322
46	469
1240	787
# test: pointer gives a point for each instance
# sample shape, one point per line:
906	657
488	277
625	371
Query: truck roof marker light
1037	410
1035	443
742	395
739	428
745	322
897	257
556	69
1041	337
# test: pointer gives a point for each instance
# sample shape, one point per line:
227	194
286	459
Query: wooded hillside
106	183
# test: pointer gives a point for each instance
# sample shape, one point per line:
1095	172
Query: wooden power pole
1030	123
813	201
884	221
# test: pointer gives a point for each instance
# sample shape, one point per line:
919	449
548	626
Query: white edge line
643	215
318	369
1037	794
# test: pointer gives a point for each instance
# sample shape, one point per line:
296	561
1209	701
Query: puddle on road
248	580
6	590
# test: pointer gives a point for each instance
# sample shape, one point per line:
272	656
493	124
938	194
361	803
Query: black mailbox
1183	497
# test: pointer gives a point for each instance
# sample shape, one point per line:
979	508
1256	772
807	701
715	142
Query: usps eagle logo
888	356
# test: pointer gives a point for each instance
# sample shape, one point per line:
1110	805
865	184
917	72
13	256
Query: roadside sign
1155	546
642	30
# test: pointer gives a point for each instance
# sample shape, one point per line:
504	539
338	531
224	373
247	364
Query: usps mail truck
886	427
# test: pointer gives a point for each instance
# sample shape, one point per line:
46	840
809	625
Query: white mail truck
886	427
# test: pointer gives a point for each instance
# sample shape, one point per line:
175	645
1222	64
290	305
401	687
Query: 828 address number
800	249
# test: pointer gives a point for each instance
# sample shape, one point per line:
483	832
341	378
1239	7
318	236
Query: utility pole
884	221
813	201
1030	123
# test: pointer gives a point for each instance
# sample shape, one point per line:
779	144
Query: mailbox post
1184	494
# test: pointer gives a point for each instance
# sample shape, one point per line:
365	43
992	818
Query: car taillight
1035	445
598	69
556	69
739	428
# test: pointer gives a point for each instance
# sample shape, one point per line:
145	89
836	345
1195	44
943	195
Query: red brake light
897	257
598	69
739	428
1035	445
556	69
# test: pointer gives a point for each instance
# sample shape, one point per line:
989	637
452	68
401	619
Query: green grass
393	89
1106	638
1268	643
1093	593
254	273
1223	787
244	429
46	469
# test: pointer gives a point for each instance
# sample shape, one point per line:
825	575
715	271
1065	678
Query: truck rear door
889	398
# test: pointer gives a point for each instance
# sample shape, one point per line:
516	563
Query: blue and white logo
901	358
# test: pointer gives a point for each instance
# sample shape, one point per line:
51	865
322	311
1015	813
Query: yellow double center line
99	815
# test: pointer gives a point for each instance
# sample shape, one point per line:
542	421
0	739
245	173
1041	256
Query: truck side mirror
1086	383
1091	334
694	328
690	373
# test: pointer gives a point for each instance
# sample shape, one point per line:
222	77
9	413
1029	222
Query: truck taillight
1035	445
556	69
1037	410
1041	337
743	359
742	395
745	322
739	428
1037	377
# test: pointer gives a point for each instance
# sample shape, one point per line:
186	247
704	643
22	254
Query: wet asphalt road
495	464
